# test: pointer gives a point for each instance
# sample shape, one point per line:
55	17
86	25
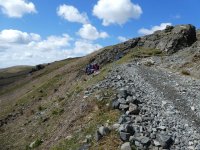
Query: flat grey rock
126	146
125	136
165	140
104	130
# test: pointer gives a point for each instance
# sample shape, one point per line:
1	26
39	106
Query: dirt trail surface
168	103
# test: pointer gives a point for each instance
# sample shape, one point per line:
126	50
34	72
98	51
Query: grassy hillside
33	106
48	109
47	106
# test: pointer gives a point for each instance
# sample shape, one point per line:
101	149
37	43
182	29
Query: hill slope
59	107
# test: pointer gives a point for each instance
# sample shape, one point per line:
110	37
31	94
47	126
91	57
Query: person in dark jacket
90	69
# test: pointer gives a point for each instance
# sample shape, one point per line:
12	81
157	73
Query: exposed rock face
116	52
171	40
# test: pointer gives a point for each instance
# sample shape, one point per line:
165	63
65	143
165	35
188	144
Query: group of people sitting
91	68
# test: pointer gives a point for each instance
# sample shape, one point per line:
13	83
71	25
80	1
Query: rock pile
136	126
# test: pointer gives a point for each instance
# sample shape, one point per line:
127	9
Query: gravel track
170	100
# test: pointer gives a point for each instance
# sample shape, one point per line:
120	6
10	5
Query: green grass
111	142
57	111
99	77
45	87
99	117
41	108
144	52
69	144
140	53
75	89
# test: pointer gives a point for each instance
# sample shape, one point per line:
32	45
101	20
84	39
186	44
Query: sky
42	31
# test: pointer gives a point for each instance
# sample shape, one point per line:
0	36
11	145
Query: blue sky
40	31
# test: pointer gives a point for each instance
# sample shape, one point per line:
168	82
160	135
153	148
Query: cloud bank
21	48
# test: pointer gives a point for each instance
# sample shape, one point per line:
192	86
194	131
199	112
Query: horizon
35	32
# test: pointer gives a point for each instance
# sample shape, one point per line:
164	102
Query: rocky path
182	91
160	109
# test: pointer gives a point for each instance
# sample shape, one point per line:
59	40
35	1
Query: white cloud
83	47
116	11
145	31
16	36
71	14
29	49
52	43
89	32
122	39
16	8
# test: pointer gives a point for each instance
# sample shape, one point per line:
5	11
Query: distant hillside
12	74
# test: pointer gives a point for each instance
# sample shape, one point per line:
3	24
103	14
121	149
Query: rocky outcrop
172	39
37	68
112	53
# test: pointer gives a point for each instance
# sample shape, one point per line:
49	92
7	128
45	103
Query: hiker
96	67
87	69
90	69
